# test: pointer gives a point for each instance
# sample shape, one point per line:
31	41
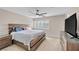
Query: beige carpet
50	44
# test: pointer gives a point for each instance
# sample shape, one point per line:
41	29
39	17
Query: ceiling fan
38	12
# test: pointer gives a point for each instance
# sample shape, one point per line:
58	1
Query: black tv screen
71	25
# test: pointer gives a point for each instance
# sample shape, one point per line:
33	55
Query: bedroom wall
56	25
9	17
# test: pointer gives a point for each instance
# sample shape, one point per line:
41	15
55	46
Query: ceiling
26	11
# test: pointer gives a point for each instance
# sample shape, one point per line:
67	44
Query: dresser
5	40
68	43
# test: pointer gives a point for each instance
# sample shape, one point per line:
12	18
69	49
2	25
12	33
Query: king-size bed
28	39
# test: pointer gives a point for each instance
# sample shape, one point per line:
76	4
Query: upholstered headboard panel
12	26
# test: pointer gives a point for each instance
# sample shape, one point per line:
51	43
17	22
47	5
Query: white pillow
29	28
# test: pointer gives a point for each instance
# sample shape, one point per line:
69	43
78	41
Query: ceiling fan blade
37	12
44	13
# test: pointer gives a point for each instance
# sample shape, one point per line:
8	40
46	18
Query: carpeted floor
50	44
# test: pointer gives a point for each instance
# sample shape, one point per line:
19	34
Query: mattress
26	36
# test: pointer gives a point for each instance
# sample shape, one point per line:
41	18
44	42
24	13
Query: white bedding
26	36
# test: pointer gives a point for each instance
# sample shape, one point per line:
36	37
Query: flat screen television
71	25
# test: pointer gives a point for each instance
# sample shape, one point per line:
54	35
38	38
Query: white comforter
26	36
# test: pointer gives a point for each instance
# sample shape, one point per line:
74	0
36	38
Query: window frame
44	20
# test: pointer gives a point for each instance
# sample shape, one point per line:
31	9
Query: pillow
18	29
28	28
14	29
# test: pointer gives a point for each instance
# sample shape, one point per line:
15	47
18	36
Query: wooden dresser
5	40
68	43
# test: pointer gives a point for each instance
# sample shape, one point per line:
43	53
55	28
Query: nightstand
5	40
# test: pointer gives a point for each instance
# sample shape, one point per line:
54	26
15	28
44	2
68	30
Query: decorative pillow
18	29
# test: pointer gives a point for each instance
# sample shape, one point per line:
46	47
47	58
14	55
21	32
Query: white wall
9	17
72	11
56	25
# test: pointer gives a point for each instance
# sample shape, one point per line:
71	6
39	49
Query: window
40	24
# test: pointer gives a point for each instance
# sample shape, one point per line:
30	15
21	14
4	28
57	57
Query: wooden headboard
11	26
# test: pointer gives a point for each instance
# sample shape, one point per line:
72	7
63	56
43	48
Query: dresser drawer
7	37
5	41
